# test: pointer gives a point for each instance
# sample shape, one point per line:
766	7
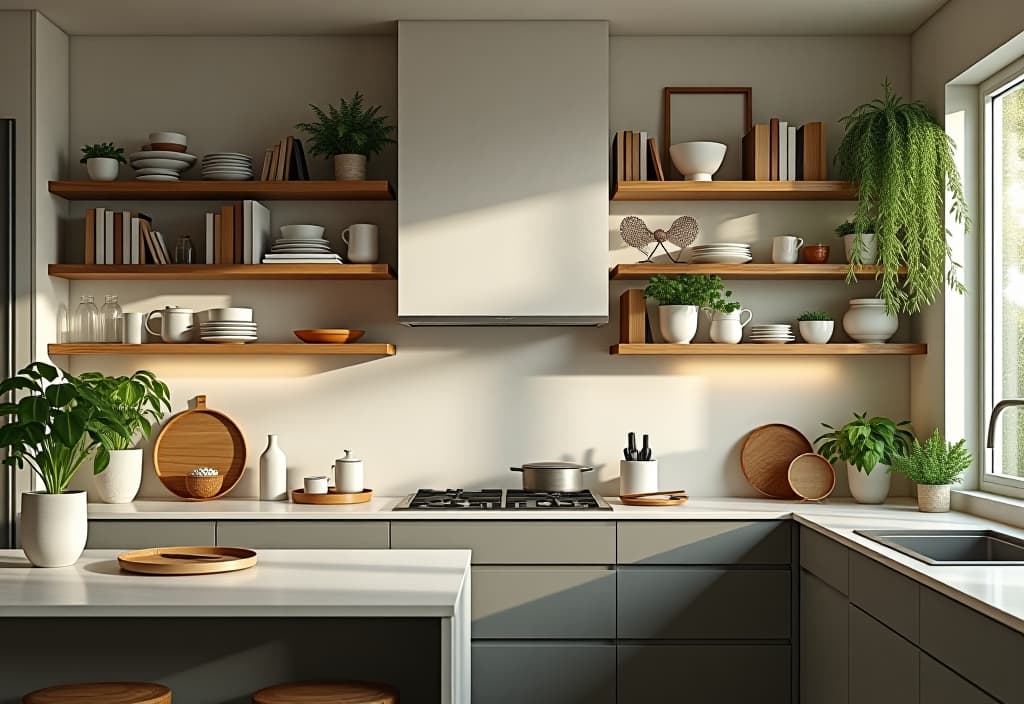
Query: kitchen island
399	616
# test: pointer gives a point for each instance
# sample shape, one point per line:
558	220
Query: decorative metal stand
636	234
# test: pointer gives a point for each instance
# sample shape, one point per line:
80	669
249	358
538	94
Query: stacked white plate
160	165
719	253
227	166
291	250
228	331
778	334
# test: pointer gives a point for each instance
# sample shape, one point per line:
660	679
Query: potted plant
137	401
681	297
816	327
57	424
903	163
350	133
933	465
860	247
102	160
868	446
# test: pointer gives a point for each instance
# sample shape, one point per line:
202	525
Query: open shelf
222	272
634	272
222	190
734	190
370	349
792	349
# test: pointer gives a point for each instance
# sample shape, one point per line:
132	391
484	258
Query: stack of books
238	234
122	237
285	161
779	151
635	158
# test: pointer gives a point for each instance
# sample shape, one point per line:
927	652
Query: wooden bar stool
105	692
342	692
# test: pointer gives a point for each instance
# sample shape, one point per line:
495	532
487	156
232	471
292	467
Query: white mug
314	485
175	324
132	329
786	249
362	243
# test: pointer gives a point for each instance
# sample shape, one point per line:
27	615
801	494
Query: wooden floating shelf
222	190
222	272
734	190
371	349
754	349
637	272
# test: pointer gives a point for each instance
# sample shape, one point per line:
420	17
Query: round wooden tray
657	498
187	560
811	477
766	455
201	437
332	497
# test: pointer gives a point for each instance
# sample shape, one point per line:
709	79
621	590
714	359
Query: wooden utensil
187	560
333	496
201	437
811	477
656	498
328	335
766	455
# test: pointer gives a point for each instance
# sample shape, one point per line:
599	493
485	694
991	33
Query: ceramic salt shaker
348	474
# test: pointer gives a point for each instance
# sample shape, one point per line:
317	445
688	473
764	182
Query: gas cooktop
502	500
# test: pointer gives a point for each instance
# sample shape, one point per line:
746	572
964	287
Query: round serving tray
766	455
187	560
333	496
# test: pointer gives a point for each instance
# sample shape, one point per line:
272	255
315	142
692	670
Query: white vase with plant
934	466
350	134
102	161
816	327
868	446
680	298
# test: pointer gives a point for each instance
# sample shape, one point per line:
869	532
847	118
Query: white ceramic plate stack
227	166
301	244
228	325
719	253
777	334
156	165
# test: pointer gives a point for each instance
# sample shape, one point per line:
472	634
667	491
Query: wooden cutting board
766	455
187	560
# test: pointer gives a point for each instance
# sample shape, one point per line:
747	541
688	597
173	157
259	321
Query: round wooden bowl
816	254
328	335
169	147
203	487
811	477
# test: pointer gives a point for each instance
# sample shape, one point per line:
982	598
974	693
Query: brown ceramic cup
815	254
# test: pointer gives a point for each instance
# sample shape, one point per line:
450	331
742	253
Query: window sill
995	507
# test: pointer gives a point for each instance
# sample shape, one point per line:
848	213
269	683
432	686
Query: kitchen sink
952	547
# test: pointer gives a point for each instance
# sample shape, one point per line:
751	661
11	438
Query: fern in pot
350	133
868	446
933	465
680	299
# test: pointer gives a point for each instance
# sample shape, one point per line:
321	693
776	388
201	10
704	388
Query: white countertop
297	583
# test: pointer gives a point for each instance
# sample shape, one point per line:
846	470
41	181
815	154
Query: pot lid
348	457
556	465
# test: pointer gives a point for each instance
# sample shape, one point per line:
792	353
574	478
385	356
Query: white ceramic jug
175	324
728	327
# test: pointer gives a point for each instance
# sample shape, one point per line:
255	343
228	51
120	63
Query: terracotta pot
815	254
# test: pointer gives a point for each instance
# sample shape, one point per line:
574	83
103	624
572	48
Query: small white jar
348	474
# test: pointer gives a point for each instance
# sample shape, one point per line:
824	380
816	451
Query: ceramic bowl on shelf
329	336
166	147
168	138
697	161
302	232
233	315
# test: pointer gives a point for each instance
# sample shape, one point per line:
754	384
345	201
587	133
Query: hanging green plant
902	161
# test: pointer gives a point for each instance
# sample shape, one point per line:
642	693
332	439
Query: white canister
348	474
133	330
638	477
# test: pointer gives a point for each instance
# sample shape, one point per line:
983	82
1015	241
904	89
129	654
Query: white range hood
503	173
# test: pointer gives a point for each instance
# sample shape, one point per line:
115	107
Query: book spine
108	238
89	242
208	249
773	135
791	152
783	150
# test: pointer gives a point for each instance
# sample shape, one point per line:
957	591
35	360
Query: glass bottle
113	319
63	325
184	252
86	326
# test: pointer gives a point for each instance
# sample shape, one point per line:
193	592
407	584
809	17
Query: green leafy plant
814	315
865	442
849	227
138	401
105	150
691	290
349	128
902	161
935	461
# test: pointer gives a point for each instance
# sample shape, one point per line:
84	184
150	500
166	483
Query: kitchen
557	591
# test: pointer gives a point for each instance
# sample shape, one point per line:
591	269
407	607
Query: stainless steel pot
553	476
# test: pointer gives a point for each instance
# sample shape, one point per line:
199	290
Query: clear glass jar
63	325
113	319
184	252
87	326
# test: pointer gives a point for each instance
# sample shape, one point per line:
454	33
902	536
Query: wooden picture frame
669	91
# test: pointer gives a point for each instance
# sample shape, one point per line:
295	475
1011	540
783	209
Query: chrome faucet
996	411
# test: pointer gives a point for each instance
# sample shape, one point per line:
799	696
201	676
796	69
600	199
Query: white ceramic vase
678	324
54	527
866	321
816	332
727	328
933	498
273	472
350	167
120	481
102	168
869	488
868	247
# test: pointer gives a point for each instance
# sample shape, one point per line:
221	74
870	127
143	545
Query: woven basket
933	498
203	487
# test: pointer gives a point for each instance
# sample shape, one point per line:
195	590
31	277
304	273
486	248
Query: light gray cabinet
138	534
940	685
543	673
514	542
352	535
825	559
704	542
884	666
885	594
824	642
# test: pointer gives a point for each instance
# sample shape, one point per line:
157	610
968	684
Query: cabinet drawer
665	602
514	542
129	535
543	673
536	602
704	543
352	535
704	674
885	594
824	642
940	685
825	559
884	667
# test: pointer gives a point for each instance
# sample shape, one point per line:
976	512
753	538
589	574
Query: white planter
273	472
868	247
53	527
678	324
816	332
638	476
866	321
120	481
933	498
869	488
102	168
350	167
727	328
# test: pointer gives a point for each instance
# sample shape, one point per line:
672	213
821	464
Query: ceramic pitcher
728	327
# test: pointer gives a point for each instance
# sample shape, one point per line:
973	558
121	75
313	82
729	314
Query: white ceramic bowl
168	138
302	232
697	160
226	315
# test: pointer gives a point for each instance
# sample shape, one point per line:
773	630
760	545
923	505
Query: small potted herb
816	327
102	160
868	446
933	465
859	243
350	133
681	297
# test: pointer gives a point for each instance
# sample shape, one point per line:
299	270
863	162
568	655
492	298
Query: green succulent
850	227
814	315
864	443
104	150
691	290
349	128
934	461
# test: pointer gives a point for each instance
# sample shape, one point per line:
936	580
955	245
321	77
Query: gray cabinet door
138	534
537	672
691	602
704	674
543	602
705	542
824	642
885	594
350	535
514	542
884	667
825	559
940	685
